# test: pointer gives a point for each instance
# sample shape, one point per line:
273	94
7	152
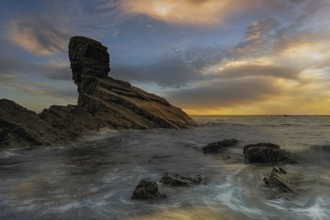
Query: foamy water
96	178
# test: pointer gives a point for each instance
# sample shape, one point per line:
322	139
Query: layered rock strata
109	102
102	102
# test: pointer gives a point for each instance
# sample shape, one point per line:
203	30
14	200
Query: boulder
217	147
279	179
20	127
180	180
147	190
266	153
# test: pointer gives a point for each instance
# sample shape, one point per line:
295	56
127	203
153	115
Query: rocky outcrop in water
279	180
180	180
147	190
266	153
108	102
21	127
217	147
102	102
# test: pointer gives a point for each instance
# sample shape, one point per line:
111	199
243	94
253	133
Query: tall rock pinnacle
88	57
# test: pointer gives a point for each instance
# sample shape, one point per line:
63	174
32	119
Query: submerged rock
180	180
266	153
20	127
147	190
217	147
280	180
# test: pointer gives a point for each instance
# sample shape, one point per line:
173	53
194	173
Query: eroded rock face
115	103
266	153
20	127
102	102
88	58
147	190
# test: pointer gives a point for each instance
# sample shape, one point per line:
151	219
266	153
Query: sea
95	178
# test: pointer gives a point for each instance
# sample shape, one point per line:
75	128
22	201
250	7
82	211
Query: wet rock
280	180
266	153
147	190
180	180
218	146
20	127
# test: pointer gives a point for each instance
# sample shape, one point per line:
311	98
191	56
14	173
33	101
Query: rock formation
102	102
109	102
266	153
217	147
279	180
147	190
20	127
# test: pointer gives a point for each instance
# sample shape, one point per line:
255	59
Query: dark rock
279	179
147	190
218	146
106	102
20	127
180	180
102	102
266	153
88	57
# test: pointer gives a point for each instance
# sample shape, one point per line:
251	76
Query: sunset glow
207	57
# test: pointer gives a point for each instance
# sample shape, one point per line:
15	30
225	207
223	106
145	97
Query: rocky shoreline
102	102
278	182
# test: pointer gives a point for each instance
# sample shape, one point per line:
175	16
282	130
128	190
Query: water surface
95	179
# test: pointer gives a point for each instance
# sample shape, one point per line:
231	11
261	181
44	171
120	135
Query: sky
219	57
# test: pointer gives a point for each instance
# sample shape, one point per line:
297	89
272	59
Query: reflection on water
95	179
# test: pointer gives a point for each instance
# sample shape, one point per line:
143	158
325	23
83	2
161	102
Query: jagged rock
20	127
110	102
147	190
88	58
218	146
266	153
180	180
102	102
73	119
280	180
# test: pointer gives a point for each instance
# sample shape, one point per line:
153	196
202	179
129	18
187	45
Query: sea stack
115	103
102	102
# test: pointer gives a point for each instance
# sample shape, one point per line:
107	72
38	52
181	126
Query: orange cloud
187	12
36	37
293	79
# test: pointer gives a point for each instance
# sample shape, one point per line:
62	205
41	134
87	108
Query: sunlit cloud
38	37
187	12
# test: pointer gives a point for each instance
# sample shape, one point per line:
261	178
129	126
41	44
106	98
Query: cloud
173	69
38	36
225	93
246	69
58	70
187	12
18	82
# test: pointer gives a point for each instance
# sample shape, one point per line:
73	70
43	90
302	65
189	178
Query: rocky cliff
22	127
102	102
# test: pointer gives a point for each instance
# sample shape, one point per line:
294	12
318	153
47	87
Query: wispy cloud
188	12
38	36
